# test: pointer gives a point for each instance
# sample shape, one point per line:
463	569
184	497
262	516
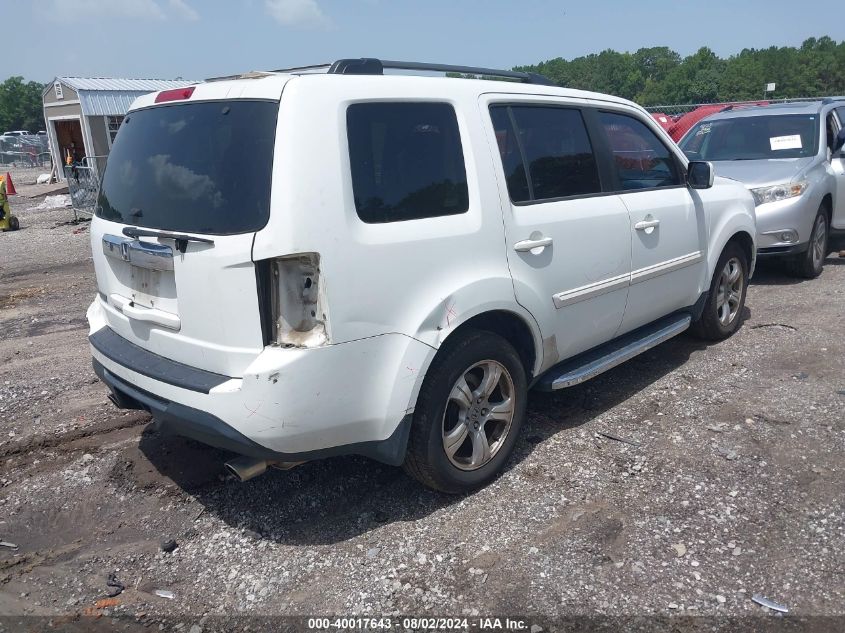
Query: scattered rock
680	549
169	545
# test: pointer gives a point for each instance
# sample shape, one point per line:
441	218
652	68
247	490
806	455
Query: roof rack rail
372	66
297	69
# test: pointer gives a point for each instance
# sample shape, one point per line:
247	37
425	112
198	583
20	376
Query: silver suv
790	156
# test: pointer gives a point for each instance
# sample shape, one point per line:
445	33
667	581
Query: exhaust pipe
246	468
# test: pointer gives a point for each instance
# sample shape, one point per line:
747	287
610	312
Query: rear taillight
177	94
296	307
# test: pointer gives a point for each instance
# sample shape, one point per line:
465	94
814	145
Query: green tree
659	76
21	105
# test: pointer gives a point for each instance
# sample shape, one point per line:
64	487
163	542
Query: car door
837	163
668	229
568	244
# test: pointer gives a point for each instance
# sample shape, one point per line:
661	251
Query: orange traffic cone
10	187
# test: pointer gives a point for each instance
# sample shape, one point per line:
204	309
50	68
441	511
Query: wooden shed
82	114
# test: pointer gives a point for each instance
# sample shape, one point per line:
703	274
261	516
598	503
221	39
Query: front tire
725	302
468	414
810	264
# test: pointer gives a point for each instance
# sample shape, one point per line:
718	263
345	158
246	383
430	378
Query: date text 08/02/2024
420	624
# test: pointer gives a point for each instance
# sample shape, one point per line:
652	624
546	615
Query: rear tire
810	264
468	413
722	313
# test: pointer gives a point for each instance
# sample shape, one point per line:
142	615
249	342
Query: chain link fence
679	109
27	150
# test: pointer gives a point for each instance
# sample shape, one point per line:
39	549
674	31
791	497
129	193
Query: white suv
300	264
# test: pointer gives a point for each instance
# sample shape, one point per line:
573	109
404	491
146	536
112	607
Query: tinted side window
841	113
641	160
407	161
558	156
509	150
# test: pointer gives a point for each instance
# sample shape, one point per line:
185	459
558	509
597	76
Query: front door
568	244
667	224
837	163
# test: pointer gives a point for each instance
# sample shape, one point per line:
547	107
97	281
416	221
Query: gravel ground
729	483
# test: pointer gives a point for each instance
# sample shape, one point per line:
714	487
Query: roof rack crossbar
372	66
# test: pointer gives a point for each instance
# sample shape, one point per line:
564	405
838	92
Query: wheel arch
737	224
746	242
511	327
827	203
518	329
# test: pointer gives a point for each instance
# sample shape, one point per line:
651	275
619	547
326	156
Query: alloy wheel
819	242
730	291
479	414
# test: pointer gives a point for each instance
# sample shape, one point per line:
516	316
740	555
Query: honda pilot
333	260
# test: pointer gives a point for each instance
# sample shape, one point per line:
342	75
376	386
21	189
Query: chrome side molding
141	254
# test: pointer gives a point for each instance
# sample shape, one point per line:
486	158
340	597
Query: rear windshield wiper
181	239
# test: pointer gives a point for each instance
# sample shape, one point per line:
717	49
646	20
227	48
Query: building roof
122	85
104	96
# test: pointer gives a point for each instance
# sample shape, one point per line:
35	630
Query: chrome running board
598	360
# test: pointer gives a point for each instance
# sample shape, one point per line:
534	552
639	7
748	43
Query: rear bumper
289	405
178	419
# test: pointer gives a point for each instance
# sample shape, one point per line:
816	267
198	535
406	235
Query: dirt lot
732	485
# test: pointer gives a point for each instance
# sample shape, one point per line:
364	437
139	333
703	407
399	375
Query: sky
196	39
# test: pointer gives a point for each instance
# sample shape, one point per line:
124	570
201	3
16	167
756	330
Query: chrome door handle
646	224
529	245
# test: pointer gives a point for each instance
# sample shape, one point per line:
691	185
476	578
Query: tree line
660	76
21	105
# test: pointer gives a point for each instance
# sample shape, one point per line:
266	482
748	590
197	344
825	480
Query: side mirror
840	141
700	174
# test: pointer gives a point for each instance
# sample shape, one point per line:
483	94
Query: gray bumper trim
116	348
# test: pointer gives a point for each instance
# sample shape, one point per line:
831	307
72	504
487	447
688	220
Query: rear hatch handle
181	239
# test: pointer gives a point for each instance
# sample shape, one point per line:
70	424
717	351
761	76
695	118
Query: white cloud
302	13
184	10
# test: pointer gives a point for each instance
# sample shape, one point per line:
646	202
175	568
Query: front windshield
753	138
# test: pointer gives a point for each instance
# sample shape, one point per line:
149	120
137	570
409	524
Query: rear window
201	168
407	161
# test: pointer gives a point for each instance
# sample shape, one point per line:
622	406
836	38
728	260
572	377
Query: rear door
569	245
186	187
668	227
